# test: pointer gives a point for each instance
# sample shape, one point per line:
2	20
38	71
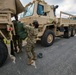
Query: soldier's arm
26	26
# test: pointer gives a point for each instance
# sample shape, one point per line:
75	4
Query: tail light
9	28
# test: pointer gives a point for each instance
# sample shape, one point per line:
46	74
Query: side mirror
55	7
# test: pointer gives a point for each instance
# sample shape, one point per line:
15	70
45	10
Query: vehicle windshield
29	10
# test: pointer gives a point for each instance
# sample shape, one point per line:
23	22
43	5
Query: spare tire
3	53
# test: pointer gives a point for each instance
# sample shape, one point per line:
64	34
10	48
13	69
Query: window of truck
40	9
29	10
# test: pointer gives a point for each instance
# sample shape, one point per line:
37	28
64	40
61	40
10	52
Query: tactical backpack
20	30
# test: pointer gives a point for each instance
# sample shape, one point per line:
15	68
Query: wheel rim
50	38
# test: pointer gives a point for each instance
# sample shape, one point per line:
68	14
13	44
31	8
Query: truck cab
37	10
40	11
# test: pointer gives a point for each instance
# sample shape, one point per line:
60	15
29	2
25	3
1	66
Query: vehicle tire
48	38
67	34
3	53
72	32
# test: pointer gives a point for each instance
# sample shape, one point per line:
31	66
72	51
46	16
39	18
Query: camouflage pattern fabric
31	40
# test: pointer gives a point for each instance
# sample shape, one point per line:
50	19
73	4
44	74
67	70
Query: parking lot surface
58	59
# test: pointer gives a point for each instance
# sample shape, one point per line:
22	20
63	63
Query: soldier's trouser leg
20	44
33	52
15	43
29	54
28	51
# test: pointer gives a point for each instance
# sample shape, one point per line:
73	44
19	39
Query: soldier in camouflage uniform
32	31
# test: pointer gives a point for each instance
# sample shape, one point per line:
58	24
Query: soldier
16	39
32	31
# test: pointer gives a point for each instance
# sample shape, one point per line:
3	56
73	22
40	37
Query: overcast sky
68	6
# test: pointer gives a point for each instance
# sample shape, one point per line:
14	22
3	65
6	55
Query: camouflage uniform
31	40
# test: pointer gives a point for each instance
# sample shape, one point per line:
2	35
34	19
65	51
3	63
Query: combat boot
30	61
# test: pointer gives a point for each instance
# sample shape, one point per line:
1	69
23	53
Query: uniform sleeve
26	27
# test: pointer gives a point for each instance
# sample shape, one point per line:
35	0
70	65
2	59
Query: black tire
67	34
3	53
72	32
44	41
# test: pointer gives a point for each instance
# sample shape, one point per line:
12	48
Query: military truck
49	26
8	8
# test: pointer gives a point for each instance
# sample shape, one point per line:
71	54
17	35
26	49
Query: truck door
42	16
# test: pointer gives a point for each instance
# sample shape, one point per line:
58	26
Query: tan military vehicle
49	25
8	8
